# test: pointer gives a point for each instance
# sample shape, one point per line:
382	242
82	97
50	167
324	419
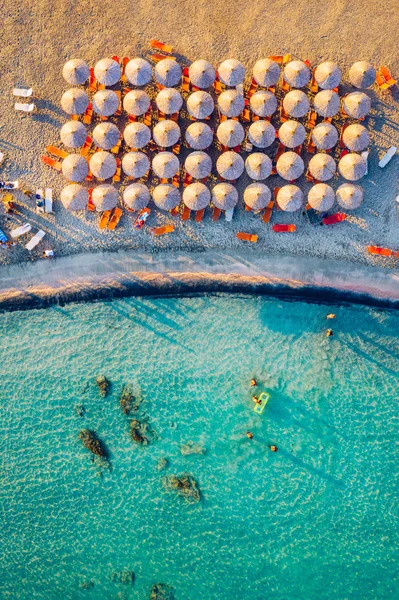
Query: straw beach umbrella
231	72
106	135
349	196
352	166
135	164
202	74
328	75
107	71
327	103
261	134
166	196
166	133
266	72
198	165
356	137
296	103
138	72
136	103
290	166
231	103
137	135
263	103
357	105
257	196
230	165
136	196
258	166
169	101
165	165
105	103
362	74
75	168
73	134
292	134
76	71
74	197
103	165
224	196
104	197
321	197
196	196
168	72
230	133
325	136
199	136
296	74
74	101
322	167
200	105
290	198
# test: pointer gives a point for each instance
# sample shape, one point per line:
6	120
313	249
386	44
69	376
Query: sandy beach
37	42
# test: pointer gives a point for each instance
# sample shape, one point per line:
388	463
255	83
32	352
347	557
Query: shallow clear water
316	520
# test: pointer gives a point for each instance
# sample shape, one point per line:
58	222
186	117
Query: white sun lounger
24	107
387	157
1	157
228	215
35	240
21	230
48	200
365	155
23	93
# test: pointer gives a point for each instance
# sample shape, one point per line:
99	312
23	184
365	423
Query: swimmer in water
273	448
330	316
256	400
253	383
329	332
250	435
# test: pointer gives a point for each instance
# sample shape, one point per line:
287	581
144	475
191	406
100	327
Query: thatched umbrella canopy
75	168
356	137
106	135
231	72
200	105
168	72
322	167
166	196
74	197
169	101
105	103
349	196
74	101
199	136
296	103
290	198
202	74
230	165
231	103
138	72
357	105
296	74
107	71
261	134
137	135
230	133
292	134
258	166
76	71
266	72
328	75
325	136
352	166
166	133
104	197
198	164
135	164
263	103
224	196
290	166
136	196
136	102
362	74
321	197
327	103
257	196
196	196
73	134
103	165
165	165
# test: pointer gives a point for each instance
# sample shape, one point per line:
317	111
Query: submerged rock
86	585
161	591
192	448
137	431
103	385
185	486
125	576
162	463
80	410
129	401
93	443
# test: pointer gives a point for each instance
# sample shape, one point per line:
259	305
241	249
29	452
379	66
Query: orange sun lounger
161	46
284	227
87	117
92	81
332	219
57	151
185	86
52	163
382	251
114	220
384	78
186	213
105	217
162	230
86	146
314	88
216	213
246	237
117	177
267	215
199	215
124	62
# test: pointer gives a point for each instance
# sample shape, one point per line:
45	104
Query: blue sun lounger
3	237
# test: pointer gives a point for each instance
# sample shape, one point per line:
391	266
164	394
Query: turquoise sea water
318	520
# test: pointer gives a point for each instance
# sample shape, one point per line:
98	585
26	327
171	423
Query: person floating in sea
253	383
273	448
250	435
330	316
329	332
256	400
